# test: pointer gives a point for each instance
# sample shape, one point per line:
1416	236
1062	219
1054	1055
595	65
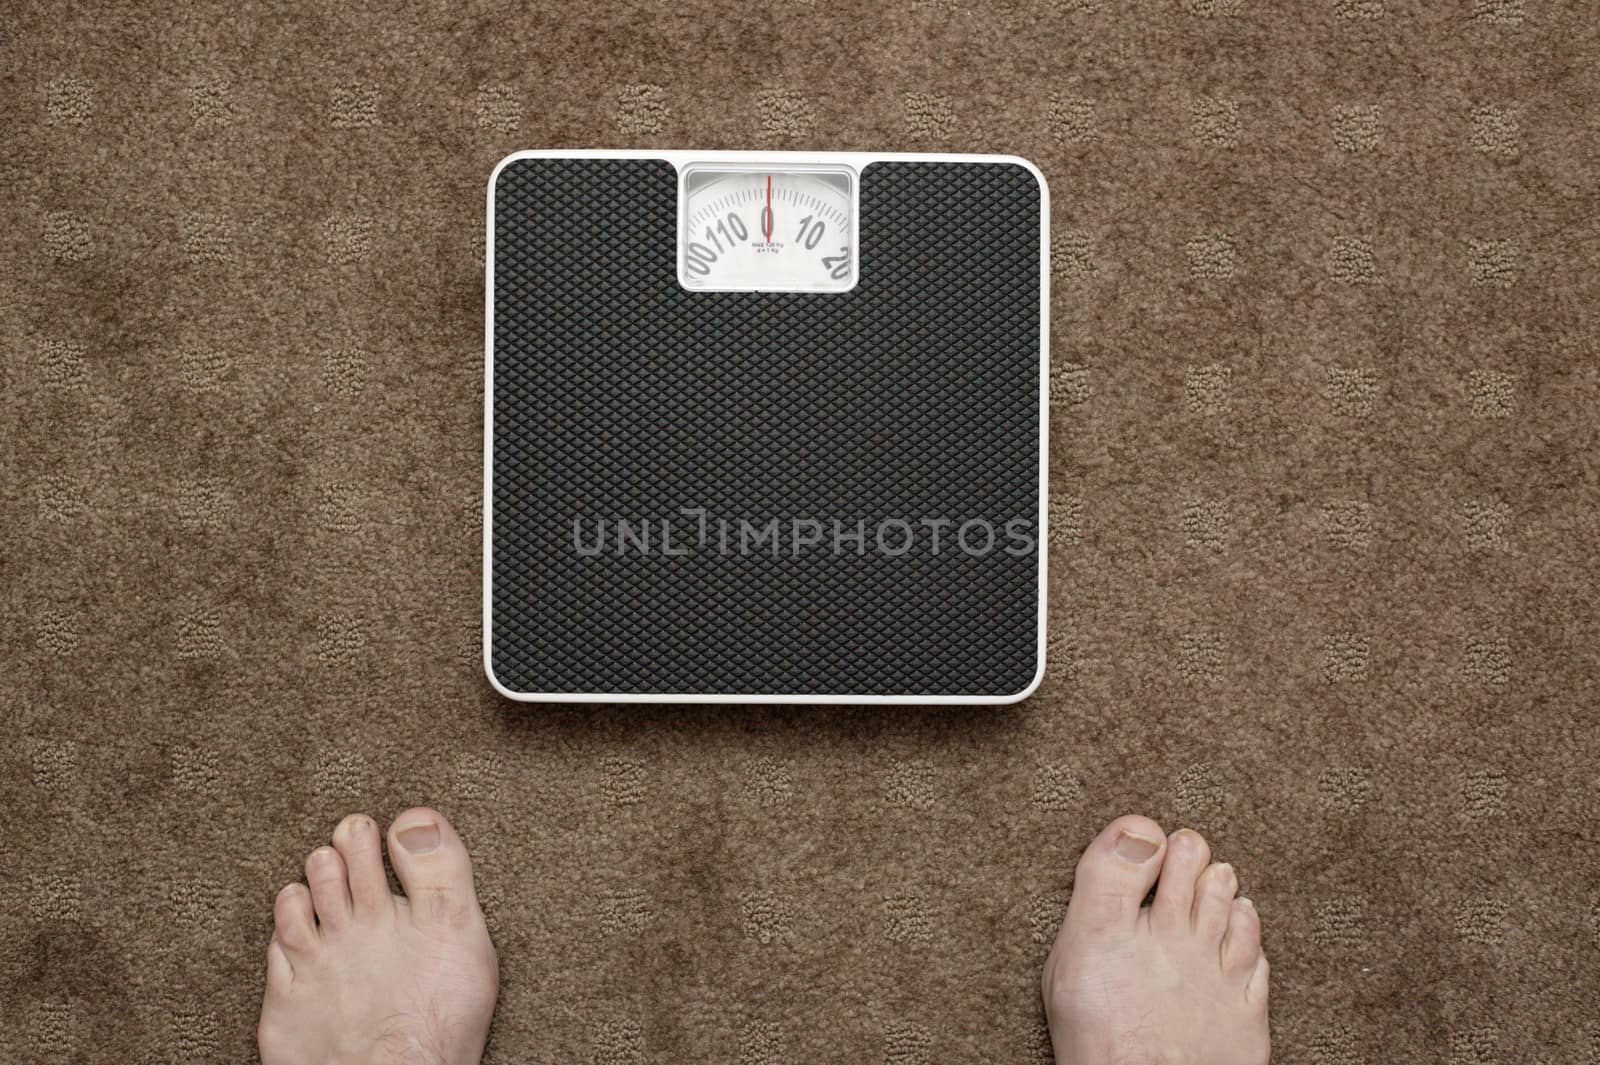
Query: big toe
1115	873
433	867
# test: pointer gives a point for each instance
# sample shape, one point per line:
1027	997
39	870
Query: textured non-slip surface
1323	451
905	408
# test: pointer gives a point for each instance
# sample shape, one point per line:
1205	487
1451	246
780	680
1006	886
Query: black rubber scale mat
765	494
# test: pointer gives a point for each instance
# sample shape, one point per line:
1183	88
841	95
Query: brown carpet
1324	479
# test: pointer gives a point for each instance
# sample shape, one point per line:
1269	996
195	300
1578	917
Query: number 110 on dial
790	229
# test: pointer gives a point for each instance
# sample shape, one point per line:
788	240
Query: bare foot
1179	982
357	976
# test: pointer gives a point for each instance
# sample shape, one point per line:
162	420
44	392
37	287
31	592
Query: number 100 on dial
742	228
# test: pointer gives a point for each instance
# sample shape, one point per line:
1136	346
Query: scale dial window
783	229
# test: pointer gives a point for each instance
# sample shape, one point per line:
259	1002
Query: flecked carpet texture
1324	497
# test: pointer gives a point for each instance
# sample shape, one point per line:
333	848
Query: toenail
419	839
1136	849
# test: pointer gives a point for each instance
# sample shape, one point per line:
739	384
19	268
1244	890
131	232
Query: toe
1187	856
294	922
1256	989
1241	944
433	867
356	840
330	889
1213	900
280	973
1115	874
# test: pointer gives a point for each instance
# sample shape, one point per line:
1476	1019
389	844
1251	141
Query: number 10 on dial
789	229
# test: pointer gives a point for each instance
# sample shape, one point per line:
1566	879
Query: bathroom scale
765	427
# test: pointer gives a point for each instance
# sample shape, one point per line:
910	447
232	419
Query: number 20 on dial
783	230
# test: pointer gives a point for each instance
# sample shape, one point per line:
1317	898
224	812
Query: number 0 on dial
790	229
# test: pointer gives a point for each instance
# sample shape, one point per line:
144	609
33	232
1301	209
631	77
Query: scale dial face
785	229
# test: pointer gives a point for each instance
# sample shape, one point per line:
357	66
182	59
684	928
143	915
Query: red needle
769	208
